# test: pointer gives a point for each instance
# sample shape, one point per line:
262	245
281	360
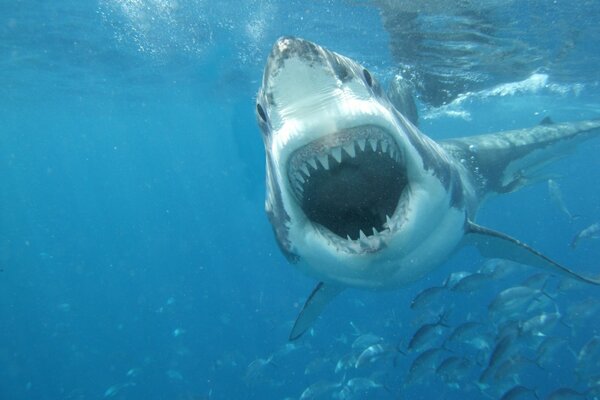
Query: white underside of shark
359	197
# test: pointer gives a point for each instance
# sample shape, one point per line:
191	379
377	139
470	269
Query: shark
359	197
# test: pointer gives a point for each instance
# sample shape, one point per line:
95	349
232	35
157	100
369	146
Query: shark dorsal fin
503	162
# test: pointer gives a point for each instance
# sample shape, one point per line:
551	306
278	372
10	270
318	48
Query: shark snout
289	47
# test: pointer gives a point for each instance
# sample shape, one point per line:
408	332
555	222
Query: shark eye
261	113
368	78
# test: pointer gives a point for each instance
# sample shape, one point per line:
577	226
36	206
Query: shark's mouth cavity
350	182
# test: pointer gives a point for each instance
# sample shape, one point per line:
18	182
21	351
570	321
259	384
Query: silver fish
374	353
588	359
318	389
472	282
426	297
366	340
424	364
362	384
566	394
557	198
426	335
454	369
591	232
519	392
511	300
472	334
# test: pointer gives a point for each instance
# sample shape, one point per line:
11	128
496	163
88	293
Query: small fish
472	334
454	369
374	353
112	391
318	389
513	299
426	297
316	365
566	394
286	349
366	340
502	349
511	368
519	392
454	277
546	351
426	335
174	375
541	324
134	372
588	359
362	384
581	313
536	281
255	369
591	232
116	389
424	364
557	198
471	283
347	361
498	268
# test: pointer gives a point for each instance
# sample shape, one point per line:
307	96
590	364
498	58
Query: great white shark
358	197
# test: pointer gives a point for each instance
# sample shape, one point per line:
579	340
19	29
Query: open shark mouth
351	182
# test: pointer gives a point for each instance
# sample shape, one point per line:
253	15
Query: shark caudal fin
321	295
506	161
496	244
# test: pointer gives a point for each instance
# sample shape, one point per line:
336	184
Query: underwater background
136	260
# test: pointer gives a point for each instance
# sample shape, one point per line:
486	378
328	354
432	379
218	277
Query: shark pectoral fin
321	295
496	244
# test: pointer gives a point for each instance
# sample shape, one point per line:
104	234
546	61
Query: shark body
359	197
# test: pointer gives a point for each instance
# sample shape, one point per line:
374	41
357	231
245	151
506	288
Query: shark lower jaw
352	187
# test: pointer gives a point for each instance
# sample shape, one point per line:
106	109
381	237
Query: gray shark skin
358	197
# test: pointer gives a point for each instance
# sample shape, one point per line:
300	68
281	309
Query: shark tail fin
321	295
491	243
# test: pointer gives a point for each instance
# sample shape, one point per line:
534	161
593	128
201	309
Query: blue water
136	260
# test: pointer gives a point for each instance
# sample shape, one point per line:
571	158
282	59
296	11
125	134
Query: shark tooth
392	153
304	168
312	162
299	177
384	146
373	143
375	233
336	153
361	144
362	236
324	161
349	148
388	221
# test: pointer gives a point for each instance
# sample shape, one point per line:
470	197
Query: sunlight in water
159	27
